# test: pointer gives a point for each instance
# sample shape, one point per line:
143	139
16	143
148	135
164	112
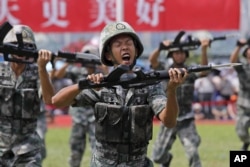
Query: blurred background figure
58	82
83	119
198	114
243	100
204	90
185	128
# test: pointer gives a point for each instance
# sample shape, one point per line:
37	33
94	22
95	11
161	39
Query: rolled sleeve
157	99
86	97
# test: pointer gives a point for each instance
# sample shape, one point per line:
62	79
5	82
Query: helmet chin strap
133	64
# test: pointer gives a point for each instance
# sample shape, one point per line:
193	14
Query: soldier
124	117
20	144
185	128
83	119
243	100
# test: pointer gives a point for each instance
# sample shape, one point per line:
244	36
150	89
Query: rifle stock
83	58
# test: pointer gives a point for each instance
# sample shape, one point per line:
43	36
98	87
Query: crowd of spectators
216	94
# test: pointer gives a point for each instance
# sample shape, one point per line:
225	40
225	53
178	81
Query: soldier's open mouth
126	57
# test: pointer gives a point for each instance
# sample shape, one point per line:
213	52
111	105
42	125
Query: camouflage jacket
19	96
244	87
185	93
155	99
20	106
83	115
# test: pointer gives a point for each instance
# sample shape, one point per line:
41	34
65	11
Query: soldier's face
179	57
18	57
123	50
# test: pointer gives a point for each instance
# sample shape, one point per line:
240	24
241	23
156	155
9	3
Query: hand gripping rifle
138	78
190	43
31	54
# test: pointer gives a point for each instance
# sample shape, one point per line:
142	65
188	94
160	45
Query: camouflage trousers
99	161
29	159
243	124
78	141
190	139
20	145
42	130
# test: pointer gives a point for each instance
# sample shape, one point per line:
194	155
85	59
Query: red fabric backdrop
144	15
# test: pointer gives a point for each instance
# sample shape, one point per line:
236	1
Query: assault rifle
190	43
31	54
138	78
238	43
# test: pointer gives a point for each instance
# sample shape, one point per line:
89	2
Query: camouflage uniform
185	128
123	117
123	123
243	107
42	128
83	122
20	106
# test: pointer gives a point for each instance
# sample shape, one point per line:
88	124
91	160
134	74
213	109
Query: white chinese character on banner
5	11
53	10
105	12
149	12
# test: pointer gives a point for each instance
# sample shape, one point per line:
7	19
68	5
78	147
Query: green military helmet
113	29
93	50
27	35
202	34
89	48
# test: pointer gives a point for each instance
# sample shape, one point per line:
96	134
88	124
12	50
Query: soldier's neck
17	68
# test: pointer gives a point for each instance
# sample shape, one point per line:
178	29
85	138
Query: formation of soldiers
118	120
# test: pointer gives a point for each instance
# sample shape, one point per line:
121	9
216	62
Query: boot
168	163
245	146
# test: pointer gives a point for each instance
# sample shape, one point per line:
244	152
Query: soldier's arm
60	73
65	97
170	113
204	60
153	58
45	82
204	46
235	54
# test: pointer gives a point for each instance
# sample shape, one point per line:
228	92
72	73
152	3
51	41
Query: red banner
143	15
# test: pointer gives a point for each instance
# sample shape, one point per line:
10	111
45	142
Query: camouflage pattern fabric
27	34
83	127
98	161
244	80
185	93
19	108
185	97
243	124
42	128
83	122
243	101
190	139
109	154
185	129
